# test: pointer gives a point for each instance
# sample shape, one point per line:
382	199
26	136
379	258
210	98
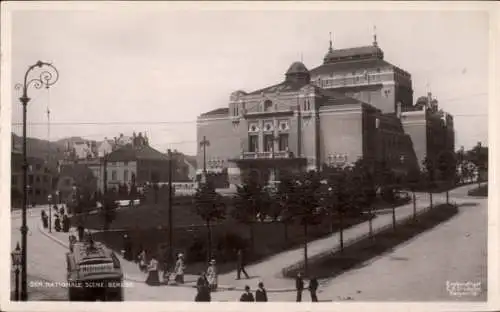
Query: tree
429	176
478	155
447	168
386	182
362	183
108	210
210	206
412	181
300	195
249	203
302	201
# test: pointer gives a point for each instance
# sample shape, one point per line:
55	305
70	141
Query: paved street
453	251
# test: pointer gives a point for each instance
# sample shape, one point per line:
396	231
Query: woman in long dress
179	269
142	261
153	277
212	275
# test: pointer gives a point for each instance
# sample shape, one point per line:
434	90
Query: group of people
59	225
313	287
153	270
260	294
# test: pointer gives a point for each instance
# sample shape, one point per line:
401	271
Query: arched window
268	105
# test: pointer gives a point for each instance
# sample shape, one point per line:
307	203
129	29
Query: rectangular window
37	192
283	142
268	142
38	166
113	175
253	143
125	175
30	179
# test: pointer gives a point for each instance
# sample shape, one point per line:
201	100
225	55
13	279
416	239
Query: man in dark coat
261	294
202	286
313	287
65	223
241	265
247	295
81	233
299	285
127	247
45	219
57	224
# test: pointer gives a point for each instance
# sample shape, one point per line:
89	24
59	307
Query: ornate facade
353	105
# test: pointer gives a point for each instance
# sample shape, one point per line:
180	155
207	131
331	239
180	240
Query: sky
155	69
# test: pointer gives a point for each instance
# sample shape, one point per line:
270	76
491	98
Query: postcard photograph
223	152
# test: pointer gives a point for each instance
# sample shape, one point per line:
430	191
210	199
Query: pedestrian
212	275
203	294
247	295
313	287
57	224
241	265
65	223
72	241
127	247
44	219
299	285
61	210
81	232
153	277
261	293
179	269
142	260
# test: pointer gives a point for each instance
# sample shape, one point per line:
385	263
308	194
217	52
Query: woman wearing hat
179	269
153	277
212	275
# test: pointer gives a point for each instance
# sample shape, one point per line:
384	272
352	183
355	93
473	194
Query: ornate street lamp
48	76
16	263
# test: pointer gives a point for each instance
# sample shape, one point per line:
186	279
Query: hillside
40	148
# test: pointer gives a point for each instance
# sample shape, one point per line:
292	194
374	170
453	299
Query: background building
41	179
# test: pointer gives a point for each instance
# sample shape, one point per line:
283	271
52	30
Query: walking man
241	266
299	285
261	294
313	287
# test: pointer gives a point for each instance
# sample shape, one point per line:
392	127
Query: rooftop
130	153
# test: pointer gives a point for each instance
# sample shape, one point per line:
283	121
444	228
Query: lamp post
49	198
47	77
16	263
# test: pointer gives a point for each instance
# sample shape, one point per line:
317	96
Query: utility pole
170	200
105	174
204	145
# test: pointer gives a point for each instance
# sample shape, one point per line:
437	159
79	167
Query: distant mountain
40	148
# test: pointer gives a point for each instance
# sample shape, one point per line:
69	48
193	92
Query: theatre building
352	106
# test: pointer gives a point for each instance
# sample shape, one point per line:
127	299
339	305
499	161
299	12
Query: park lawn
481	191
227	236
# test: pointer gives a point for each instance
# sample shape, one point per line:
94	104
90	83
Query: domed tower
298	73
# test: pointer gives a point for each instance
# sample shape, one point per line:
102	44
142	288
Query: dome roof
297	68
